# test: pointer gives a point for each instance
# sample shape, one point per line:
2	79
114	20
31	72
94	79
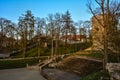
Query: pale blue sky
12	9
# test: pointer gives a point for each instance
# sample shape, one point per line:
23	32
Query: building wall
97	32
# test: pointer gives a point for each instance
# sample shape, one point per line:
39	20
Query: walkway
88	58
20	74
56	74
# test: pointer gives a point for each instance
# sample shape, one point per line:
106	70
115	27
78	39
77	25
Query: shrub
97	76
20	63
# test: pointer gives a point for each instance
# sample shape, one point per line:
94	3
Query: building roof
73	37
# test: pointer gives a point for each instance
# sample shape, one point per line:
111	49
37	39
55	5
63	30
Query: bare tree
105	16
87	26
80	25
4	23
2	34
46	28
10	33
67	25
58	27
26	29
40	23
51	25
23	35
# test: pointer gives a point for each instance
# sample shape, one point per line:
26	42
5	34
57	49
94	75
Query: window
97	29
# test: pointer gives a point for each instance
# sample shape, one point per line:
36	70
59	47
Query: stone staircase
42	64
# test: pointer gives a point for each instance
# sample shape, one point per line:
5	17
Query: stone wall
97	32
114	70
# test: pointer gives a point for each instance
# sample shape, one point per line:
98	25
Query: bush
113	57
97	76
9	64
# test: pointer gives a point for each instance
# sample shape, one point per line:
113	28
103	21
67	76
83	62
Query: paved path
56	74
88	58
20	74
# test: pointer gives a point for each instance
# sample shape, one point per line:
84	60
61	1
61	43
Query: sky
12	9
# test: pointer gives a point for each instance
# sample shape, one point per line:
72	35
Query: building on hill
74	38
3	40
4	53
6	41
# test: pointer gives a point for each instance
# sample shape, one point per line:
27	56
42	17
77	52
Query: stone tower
97	32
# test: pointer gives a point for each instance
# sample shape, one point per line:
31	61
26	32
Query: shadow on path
20	74
56	74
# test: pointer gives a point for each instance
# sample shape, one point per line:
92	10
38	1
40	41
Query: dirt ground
81	67
72	68
56	74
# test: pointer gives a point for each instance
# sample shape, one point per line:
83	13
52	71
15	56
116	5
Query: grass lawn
92	54
97	76
112	57
62	49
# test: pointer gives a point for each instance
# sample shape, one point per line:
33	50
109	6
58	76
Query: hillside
81	67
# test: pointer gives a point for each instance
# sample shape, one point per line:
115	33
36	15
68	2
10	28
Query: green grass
30	53
18	55
112	57
97	76
93	55
62	49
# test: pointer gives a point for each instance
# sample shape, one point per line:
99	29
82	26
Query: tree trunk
24	51
105	50
52	49
56	46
